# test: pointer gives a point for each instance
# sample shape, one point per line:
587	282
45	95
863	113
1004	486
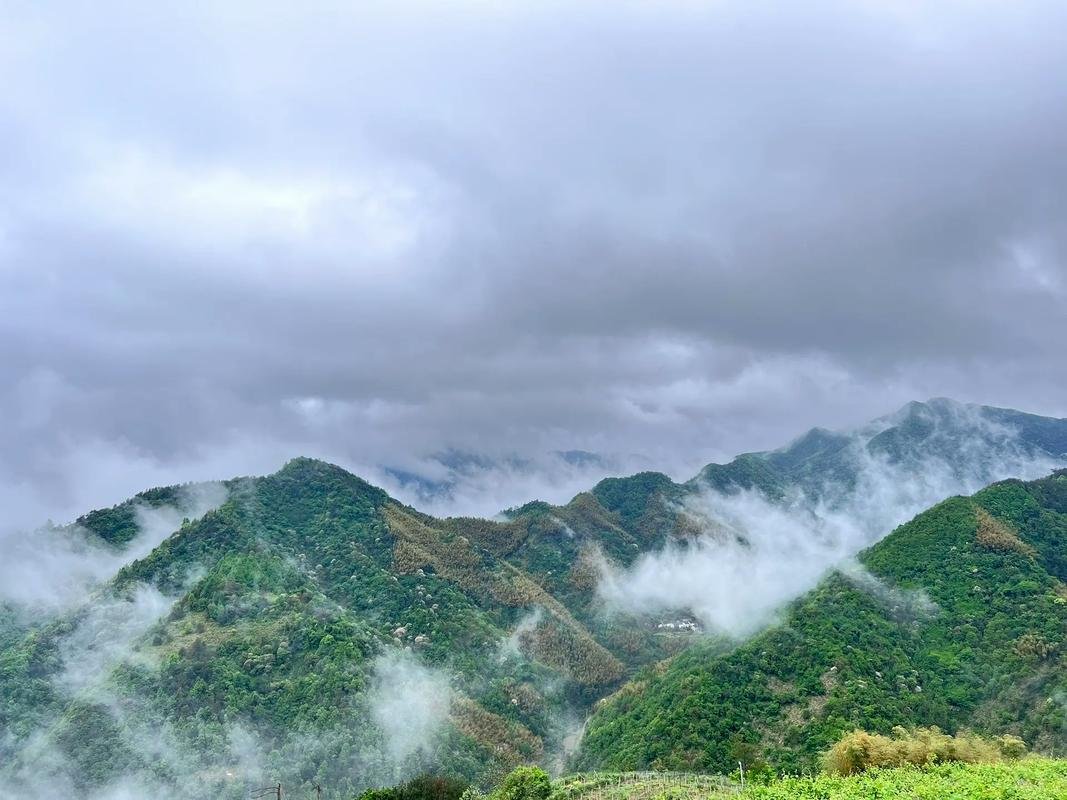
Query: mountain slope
958	618
966	440
312	628
286	615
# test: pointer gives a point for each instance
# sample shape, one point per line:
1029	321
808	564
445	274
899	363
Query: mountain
957	619
312	629
306	607
966	441
971	437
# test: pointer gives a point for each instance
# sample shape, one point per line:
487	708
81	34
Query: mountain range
310	628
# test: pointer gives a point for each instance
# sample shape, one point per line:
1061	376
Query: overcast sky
665	232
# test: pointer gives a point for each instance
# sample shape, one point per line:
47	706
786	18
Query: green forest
311	631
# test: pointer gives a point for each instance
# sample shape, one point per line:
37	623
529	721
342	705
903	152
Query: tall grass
859	750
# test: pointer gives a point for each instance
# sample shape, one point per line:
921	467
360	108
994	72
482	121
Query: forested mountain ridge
312	627
960	437
957	619
277	609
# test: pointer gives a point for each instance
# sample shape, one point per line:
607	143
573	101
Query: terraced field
1029	779
640	786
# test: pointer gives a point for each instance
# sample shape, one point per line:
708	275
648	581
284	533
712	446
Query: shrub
524	783
859	750
423	787
1011	746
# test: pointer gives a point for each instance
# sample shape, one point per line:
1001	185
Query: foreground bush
524	783
424	787
859	751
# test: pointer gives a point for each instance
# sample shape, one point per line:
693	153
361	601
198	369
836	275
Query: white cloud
409	702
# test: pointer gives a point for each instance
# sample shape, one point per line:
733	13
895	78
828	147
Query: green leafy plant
524	783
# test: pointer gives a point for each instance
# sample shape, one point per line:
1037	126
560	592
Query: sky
660	232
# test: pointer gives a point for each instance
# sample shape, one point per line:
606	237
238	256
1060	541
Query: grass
639	786
1029	779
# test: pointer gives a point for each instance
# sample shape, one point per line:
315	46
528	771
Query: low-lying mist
754	553
409	702
54	568
405	709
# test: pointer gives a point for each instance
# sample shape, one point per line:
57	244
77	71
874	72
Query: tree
524	783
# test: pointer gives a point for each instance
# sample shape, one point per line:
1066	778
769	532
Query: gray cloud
663	232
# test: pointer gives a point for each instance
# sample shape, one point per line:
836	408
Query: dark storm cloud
665	230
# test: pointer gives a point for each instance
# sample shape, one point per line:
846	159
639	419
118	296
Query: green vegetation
860	751
285	597
1027	779
118	525
422	787
272	615
920	763
524	783
1030	779
960	620
640	786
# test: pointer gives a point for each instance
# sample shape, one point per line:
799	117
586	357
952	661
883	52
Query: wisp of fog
754	553
54	568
